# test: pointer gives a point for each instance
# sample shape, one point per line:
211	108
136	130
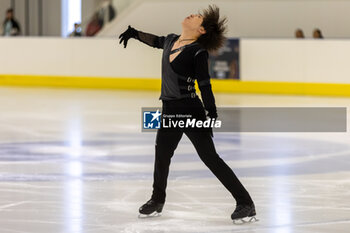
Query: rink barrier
80	82
219	86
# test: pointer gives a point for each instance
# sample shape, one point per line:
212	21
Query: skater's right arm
147	38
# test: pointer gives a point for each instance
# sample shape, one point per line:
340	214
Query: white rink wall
78	57
290	60
279	60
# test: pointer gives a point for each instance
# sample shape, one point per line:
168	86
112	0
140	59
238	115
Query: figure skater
184	60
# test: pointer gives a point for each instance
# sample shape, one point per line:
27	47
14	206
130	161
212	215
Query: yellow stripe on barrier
222	86
285	88
81	82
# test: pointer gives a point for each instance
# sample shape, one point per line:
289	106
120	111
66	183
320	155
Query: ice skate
151	209
244	214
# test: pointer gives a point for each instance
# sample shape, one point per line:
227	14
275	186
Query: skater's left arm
203	79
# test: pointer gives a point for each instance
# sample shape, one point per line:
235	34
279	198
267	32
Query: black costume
178	96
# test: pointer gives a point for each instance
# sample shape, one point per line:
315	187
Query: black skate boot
244	214
151	209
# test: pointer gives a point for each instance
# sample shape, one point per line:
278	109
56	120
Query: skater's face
194	22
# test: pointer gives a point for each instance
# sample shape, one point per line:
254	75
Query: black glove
125	36
212	114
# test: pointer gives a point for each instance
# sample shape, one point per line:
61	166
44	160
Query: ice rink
75	161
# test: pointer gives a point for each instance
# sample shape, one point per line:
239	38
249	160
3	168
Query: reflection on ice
281	203
73	206
73	210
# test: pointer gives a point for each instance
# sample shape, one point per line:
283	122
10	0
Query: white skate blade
152	215
241	221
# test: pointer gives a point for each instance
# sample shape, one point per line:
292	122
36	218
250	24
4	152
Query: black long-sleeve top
188	65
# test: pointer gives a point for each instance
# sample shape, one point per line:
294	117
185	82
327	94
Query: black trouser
166	143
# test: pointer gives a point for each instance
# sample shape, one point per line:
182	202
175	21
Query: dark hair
299	31
215	28
319	33
9	10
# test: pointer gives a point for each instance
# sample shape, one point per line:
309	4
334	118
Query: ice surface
75	161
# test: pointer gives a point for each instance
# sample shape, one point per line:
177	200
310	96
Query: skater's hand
125	36
212	114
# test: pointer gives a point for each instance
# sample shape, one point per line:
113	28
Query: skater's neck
187	37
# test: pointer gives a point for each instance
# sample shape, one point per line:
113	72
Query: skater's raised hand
125	36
